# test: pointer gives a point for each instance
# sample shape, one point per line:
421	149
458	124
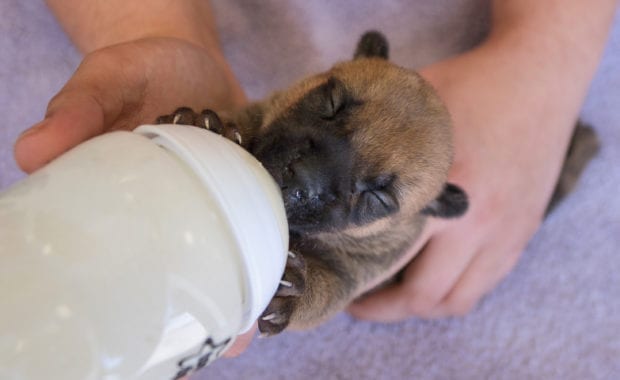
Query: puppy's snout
313	170
303	183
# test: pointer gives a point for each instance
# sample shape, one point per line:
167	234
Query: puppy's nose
303	183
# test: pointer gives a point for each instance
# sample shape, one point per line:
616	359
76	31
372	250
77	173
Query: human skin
514	101
139	62
519	91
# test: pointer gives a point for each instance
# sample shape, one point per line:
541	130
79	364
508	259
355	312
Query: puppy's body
361	153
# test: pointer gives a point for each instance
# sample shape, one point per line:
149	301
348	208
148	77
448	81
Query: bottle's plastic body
118	262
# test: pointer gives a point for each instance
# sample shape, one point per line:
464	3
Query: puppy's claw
277	315
288	284
293	283
207	119
292	286
211	121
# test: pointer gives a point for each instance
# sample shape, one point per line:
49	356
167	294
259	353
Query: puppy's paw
206	119
278	314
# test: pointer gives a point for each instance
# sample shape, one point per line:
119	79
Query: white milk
125	260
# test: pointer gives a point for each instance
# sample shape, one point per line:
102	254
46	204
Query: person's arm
142	59
99	23
514	102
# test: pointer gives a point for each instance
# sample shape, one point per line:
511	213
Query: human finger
426	281
90	102
436	270
79	119
489	267
241	343
389	303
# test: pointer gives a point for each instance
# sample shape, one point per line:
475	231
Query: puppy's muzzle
314	176
304	182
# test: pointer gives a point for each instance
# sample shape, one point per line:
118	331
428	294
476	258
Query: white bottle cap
250	200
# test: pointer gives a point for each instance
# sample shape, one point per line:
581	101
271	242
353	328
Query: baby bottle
136	255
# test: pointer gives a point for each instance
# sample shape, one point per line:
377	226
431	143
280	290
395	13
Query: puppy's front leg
314	287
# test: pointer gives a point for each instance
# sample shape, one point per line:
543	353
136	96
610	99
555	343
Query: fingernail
34	129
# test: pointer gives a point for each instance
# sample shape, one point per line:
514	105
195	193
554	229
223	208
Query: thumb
84	108
76	119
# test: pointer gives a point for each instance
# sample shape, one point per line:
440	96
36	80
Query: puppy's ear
372	44
333	98
451	203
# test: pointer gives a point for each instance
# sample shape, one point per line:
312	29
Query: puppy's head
364	141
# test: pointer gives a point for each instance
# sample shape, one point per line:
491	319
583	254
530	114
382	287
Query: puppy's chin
332	221
302	230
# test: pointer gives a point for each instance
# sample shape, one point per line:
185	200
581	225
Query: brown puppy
361	153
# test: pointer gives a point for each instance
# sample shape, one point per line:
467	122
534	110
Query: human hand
514	101
509	147
241	343
123	86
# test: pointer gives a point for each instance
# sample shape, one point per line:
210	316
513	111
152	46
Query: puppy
361	153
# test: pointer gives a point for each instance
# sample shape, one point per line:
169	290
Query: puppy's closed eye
375	199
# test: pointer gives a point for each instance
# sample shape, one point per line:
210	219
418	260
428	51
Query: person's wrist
95	25
120	35
162	47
